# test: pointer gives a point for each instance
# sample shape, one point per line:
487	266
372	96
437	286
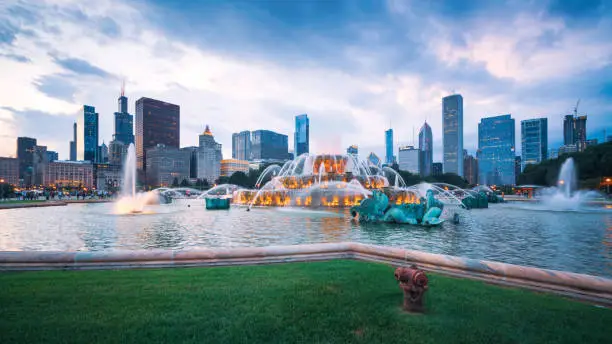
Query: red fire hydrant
413	282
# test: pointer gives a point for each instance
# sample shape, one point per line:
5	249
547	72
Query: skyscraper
268	145
103	153
496	146
157	122
302	135
452	133
241	145
425	150
534	141
73	143
209	157
436	169
574	131
25	154
389	158
373	159
409	159
568	130
87	134
52	156
470	168
124	122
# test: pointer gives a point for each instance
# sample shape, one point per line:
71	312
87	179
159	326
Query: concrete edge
578	286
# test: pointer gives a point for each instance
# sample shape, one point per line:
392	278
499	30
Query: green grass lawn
330	302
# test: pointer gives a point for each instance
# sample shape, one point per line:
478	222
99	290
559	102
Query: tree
240	179
222	180
175	182
591	165
185	183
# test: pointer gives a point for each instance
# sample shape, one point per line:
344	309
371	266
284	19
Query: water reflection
580	242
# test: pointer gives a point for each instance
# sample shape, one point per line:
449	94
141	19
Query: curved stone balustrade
586	287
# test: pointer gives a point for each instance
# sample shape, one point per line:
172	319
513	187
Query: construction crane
576	108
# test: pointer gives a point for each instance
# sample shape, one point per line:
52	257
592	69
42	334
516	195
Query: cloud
18	58
355	67
57	86
79	66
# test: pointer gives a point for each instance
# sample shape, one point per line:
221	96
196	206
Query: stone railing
580	286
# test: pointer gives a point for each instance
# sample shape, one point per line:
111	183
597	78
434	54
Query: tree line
594	163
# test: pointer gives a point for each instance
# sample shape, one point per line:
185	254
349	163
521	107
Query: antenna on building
123	88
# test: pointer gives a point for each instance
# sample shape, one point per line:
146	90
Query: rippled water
512	233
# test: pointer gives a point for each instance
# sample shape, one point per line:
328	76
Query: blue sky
356	67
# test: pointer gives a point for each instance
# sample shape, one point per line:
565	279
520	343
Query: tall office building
373	159
452	133
409	159
40	162
353	150
268	145
25	154
436	169
165	164
302	135
52	156
241	145
102	154
87	134
574	131
534	141
517	168
389	158
9	171
209	157
496	146
124	122
73	143
470	168
117	151
426	150
157	122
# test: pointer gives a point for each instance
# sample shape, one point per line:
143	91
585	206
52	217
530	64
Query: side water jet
566	196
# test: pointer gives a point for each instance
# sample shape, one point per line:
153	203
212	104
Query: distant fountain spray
566	196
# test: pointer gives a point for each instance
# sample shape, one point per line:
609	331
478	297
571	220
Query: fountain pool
574	241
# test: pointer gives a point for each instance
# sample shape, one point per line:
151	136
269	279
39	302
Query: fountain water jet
131	202
565	195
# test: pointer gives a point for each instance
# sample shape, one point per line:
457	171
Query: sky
355	67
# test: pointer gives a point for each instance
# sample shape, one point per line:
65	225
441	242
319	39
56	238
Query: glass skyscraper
452	133
302	135
157	122
26	146
389	158
241	145
496	146
266	144
124	122
425	150
87	134
534	141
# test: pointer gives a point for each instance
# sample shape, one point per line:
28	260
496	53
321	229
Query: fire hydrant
413	282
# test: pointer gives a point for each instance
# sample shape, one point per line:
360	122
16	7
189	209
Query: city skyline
350	97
